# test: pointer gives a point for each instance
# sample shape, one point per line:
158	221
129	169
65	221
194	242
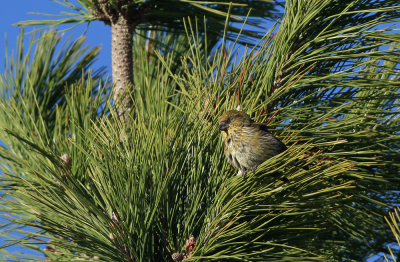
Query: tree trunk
122	70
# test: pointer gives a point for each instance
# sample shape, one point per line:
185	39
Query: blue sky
18	10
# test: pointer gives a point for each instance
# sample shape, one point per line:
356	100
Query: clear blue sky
17	10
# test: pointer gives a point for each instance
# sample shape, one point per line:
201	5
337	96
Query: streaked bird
247	144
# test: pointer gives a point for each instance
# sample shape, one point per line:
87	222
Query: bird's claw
242	173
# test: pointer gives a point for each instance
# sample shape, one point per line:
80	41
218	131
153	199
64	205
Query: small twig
227	224
272	117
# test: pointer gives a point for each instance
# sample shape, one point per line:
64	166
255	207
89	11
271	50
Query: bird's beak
223	126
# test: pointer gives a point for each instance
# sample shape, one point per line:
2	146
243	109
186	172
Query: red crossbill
247	144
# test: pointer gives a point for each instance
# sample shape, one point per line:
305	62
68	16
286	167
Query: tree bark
122	64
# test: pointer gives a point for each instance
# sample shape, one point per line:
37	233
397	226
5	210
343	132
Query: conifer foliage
90	187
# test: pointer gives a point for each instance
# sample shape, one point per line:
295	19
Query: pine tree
325	78
130	17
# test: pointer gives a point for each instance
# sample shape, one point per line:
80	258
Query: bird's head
232	119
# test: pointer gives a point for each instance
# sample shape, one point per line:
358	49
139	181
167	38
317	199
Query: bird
247	144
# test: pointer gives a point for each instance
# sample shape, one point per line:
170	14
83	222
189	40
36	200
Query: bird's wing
264	130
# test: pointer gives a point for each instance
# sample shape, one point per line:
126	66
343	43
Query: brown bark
122	64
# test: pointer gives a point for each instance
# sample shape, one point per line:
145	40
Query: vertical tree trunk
122	70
